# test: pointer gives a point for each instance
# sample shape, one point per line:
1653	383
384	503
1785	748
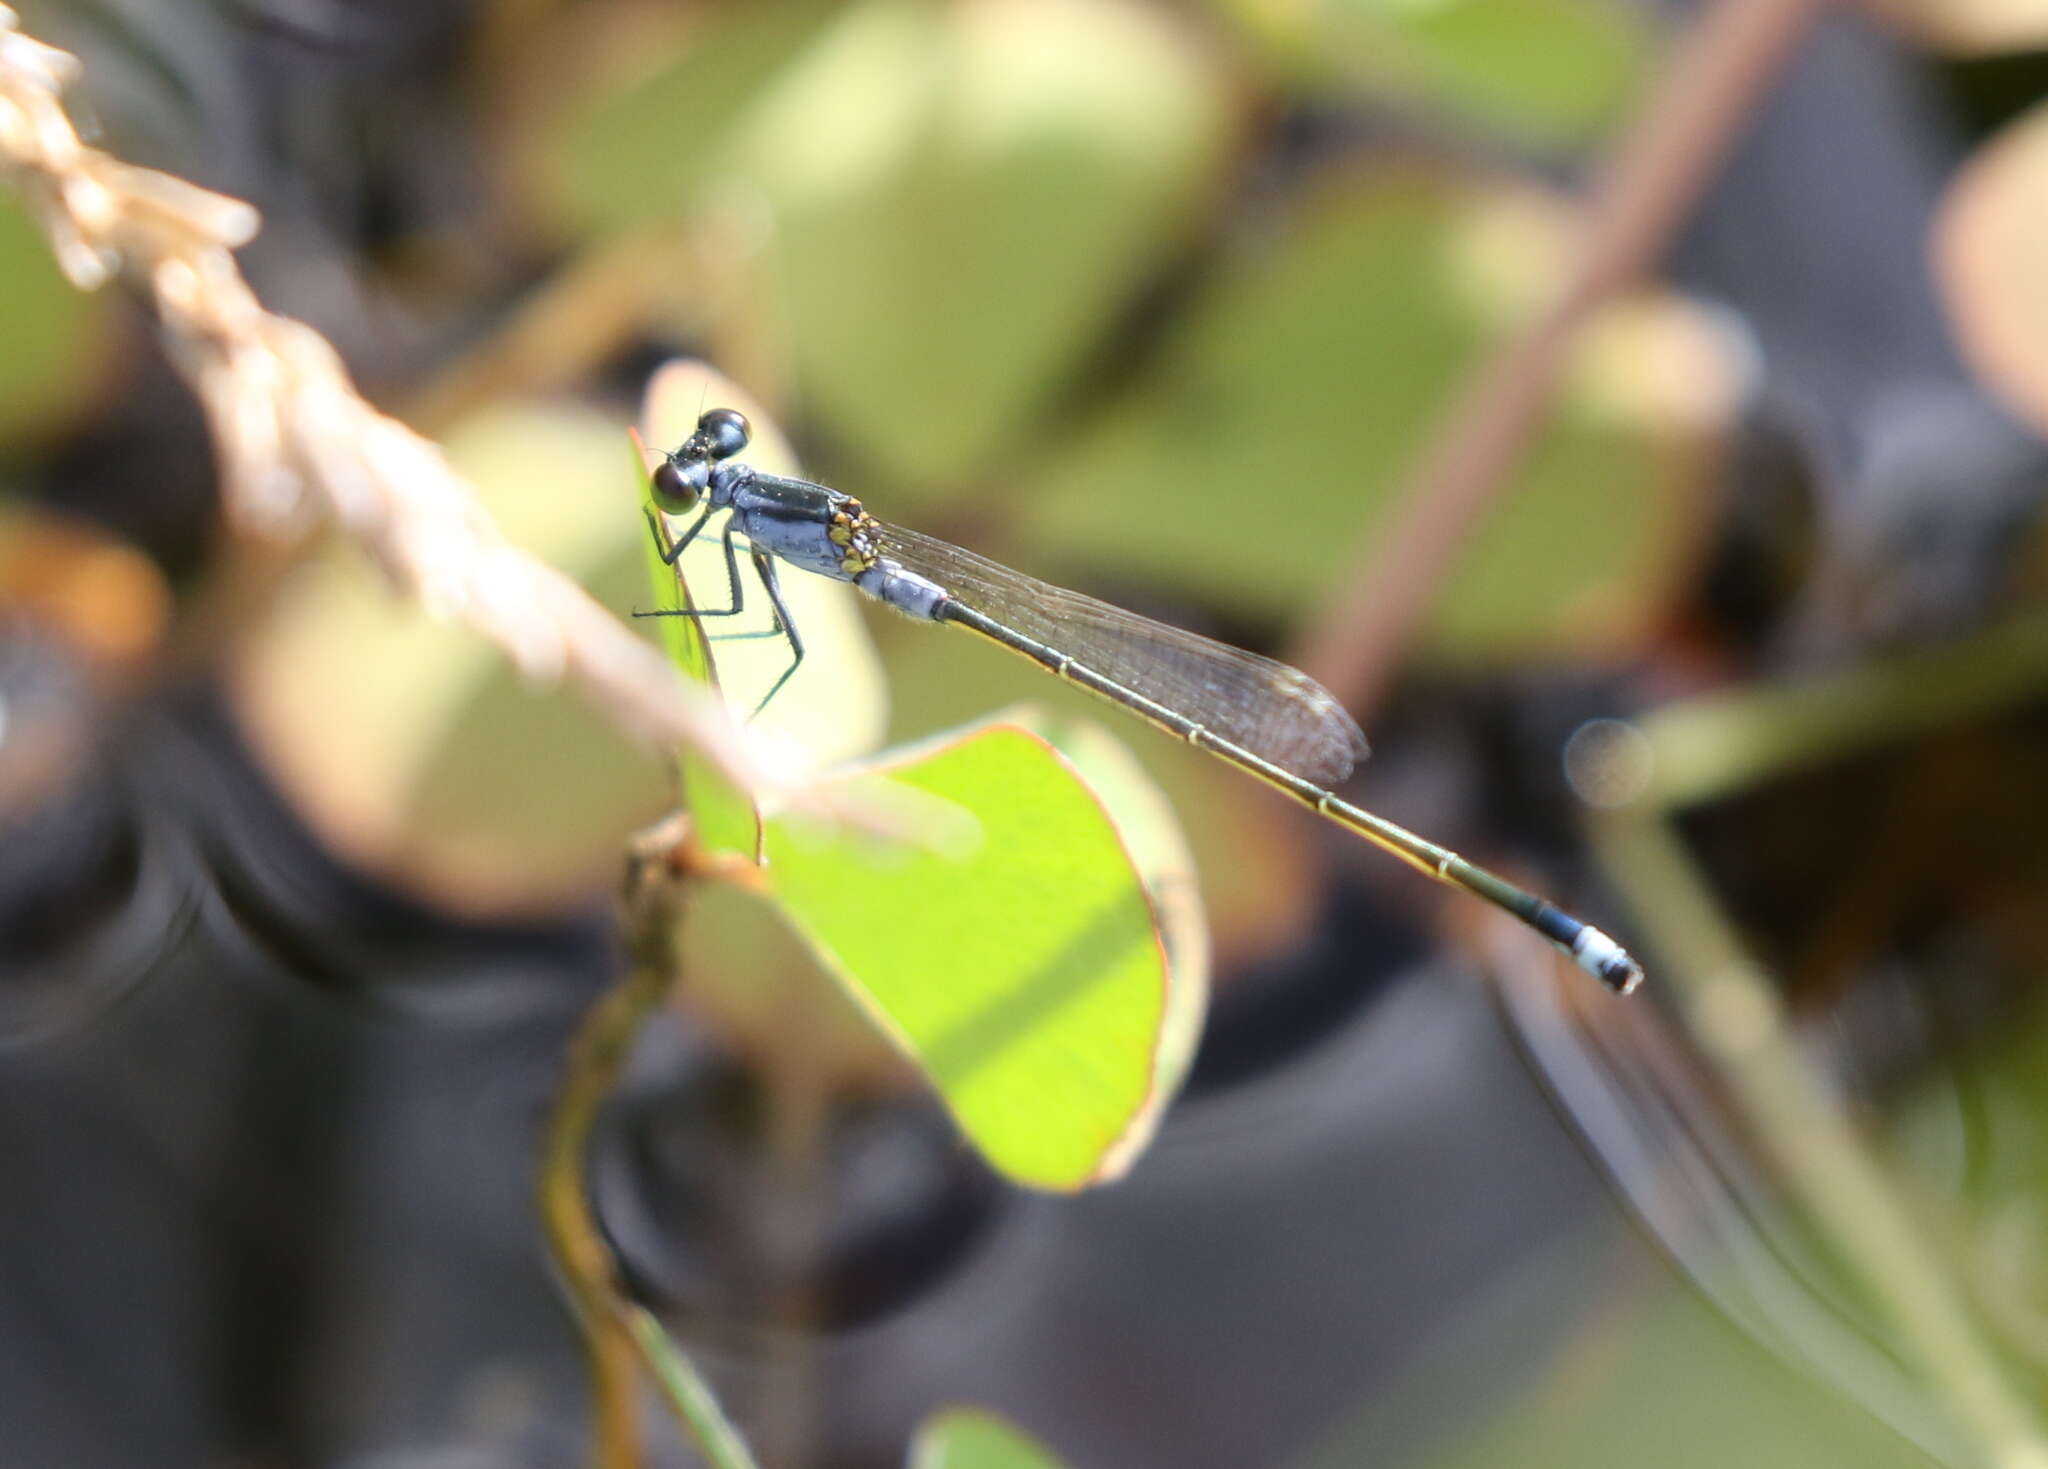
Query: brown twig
596	1055
663	868
1696	108
297	442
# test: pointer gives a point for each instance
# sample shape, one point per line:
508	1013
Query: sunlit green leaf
1006	945
1259	885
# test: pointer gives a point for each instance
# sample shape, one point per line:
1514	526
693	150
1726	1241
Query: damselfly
1267	719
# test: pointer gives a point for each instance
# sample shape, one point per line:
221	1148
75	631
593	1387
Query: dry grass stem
297	443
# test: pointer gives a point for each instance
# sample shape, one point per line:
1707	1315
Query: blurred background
1740	650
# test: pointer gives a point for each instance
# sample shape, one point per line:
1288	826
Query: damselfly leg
781	624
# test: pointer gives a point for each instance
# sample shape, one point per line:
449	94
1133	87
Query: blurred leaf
1986	1179
1542	73
411	744
1585	1356
102	596
1990	238
943	285
640	112
945	202
968	1438
1973	27
1287	406
57	337
1008	947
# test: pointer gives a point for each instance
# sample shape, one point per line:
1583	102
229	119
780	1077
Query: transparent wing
1278	713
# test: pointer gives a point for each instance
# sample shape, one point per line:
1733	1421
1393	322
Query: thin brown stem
653	903
1698	106
662	871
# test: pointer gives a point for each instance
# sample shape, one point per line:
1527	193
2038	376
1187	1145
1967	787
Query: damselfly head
723	432
680	481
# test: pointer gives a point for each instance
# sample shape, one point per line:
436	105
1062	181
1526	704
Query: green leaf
1547	71
650	106
1288	406
57	336
1256	878
970	1438
1539	73
1008	946
950	269
946	203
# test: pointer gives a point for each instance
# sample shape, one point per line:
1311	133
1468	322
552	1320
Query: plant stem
1737	1017
689	1395
621	1338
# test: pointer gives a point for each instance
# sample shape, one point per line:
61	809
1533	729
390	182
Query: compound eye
679	486
724	432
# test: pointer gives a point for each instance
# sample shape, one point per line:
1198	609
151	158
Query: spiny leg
732	577
668	557
764	567
764	564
